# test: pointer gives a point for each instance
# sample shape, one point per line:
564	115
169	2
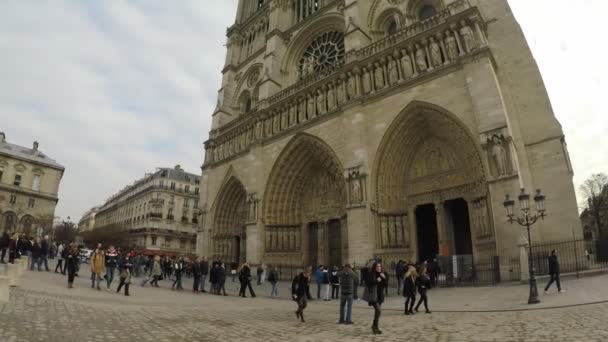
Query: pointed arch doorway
228	232
305	200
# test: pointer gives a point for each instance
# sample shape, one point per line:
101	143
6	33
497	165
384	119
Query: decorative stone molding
372	71
283	239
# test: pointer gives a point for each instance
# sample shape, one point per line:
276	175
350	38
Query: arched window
323	55
245	102
247	108
260	4
391	28
426	12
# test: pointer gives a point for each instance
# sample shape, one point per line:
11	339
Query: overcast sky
113	89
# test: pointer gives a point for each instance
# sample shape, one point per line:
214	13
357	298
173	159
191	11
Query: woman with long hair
376	283
71	264
409	290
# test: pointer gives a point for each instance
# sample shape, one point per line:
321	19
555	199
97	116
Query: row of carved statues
393	230
421	56
225	246
283	239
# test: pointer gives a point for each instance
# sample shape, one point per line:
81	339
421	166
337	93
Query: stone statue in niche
310	106
499	155
311	65
378	76
393	73
276	122
320	102
367	81
420	58
468	37
331	98
351	86
406	65
268	240
451	45
435	53
397	21
284	117
301	110
384	231
340	91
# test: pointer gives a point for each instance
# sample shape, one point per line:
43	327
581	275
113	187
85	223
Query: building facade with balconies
391	128
29	186
160	211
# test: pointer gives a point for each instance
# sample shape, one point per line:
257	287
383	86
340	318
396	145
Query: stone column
442	236
524	267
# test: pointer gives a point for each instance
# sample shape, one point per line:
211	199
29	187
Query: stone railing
401	62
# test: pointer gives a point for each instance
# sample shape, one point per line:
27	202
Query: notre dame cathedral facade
347	129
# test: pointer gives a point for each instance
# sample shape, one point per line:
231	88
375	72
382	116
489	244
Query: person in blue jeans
348	281
319	278
273	278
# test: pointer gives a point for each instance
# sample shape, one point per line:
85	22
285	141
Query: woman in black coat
71	264
300	291
245	279
376	283
409	290
423	283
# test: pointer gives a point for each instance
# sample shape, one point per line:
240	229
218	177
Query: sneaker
562	291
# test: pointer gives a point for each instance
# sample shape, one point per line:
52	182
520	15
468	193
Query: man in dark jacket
348	281
553	272
196	274
44	253
36	252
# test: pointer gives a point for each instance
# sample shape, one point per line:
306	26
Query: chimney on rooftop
2	137
35	147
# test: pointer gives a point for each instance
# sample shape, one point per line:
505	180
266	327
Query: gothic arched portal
228	231
304	205
429	174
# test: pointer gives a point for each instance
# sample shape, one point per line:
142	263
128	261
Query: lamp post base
533	298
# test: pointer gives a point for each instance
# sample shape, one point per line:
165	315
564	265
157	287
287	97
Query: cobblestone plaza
43	309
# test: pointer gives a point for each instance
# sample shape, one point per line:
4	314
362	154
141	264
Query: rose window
324	54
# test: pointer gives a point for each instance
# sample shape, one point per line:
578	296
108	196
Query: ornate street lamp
527	220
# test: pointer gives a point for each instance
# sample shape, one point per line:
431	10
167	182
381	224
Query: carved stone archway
228	230
427	156
306	190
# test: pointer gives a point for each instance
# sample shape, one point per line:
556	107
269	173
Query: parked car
85	255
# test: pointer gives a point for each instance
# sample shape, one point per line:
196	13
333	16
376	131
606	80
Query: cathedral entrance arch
228	230
429	169
304	205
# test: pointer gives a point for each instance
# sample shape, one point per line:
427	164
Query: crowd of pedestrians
341	283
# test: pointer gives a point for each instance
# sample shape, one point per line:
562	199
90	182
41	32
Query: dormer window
426	12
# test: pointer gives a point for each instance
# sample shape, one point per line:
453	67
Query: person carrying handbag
124	267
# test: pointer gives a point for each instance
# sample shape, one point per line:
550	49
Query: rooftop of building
32	154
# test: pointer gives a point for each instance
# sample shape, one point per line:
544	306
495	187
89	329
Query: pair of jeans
319	290
399	284
244	285
95	277
326	289
59	266
34	262
126	285
423	299
346	301
275	289
196	282
335	291
3	254
44	259
109	275
377	312
203	279
554	278
177	281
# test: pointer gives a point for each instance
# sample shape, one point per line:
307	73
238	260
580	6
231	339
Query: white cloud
113	89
